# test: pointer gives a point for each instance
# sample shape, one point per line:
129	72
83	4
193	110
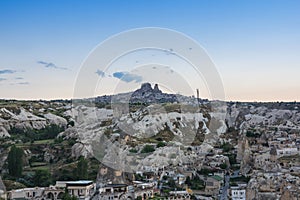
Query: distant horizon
193	95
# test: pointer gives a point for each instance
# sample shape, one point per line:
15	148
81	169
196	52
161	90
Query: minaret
197	91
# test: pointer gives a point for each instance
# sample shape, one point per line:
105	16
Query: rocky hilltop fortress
150	95
146	94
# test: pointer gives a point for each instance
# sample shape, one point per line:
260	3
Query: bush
160	144
232	158
195	183
30	135
227	147
252	134
223	166
205	171
148	149
42	178
133	150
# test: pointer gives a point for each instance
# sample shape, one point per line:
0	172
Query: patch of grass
49	141
172	108
38	164
45	167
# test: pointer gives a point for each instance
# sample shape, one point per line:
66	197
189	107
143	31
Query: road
225	188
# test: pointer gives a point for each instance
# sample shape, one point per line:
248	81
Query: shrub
227	147
133	150
160	144
148	149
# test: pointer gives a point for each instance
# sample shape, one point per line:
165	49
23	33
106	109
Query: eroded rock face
156	89
57	120
3	132
21	118
80	149
100	134
243	116
264	185
92	124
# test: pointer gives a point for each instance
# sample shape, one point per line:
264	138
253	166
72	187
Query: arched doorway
60	195
50	195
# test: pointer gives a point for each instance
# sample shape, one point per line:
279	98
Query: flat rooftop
83	182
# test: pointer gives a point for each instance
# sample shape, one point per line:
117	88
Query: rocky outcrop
21	118
2	188
3	132
156	89
57	120
247	115
146	94
265	185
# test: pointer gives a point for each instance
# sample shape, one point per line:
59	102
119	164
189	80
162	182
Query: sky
254	45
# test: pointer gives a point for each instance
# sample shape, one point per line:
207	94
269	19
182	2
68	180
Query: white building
26	193
287	151
116	192
179	195
83	190
238	193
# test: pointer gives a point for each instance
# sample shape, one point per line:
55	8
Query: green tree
67	196
223	166
82	168
171	183
226	147
42	178
188	181
197	183
15	161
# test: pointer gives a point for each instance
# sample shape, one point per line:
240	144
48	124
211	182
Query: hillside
153	129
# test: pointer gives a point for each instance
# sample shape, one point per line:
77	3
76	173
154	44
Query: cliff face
107	137
21	118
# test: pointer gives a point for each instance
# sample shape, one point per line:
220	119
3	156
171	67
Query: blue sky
254	44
